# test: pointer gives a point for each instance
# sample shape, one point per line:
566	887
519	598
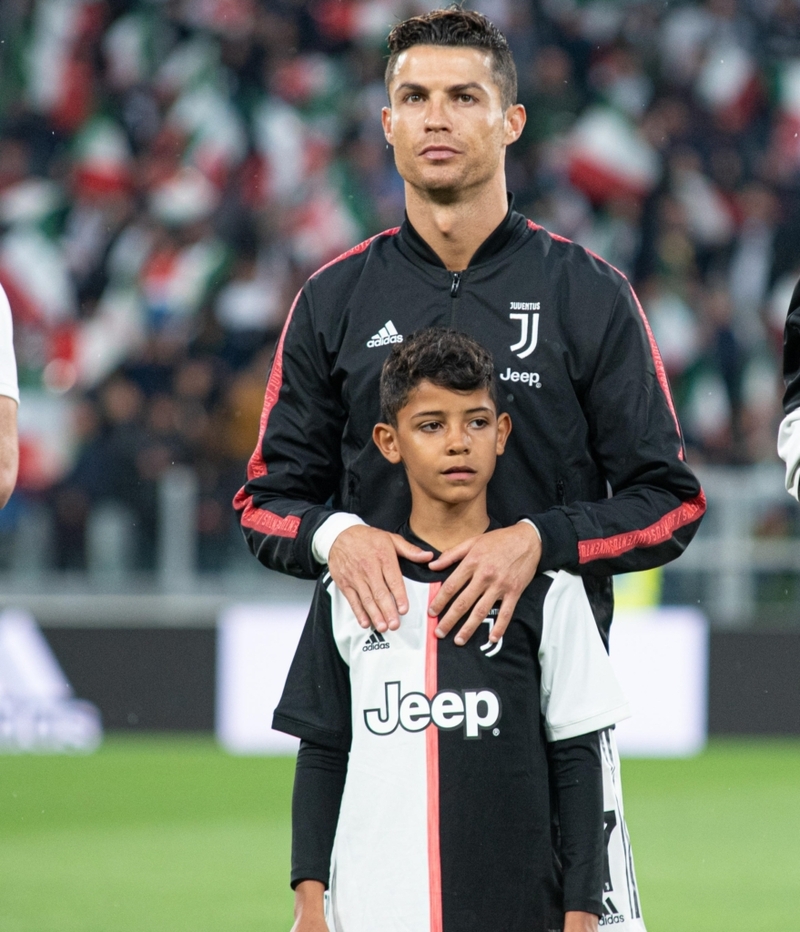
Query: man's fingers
461	605
404	548
449	588
476	617
504	616
362	617
397	590
453	555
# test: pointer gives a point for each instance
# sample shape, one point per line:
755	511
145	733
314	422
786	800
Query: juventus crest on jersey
445	821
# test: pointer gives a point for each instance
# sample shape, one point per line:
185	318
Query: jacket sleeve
296	465
655	502
789	433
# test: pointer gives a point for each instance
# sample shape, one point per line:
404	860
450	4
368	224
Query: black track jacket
595	457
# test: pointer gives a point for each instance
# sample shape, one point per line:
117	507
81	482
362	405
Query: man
597	396
789	434
582	377
9	400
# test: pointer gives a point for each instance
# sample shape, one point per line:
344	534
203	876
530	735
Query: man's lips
439	152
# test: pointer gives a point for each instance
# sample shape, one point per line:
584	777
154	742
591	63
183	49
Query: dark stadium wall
163	679
142	679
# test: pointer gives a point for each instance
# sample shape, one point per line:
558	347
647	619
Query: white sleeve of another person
579	690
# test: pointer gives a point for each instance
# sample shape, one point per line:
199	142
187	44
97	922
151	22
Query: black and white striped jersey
445	821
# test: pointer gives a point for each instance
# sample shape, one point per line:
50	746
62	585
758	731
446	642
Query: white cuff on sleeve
528	521
789	449
328	531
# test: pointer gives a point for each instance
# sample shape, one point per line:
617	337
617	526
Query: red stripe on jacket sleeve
259	519
604	548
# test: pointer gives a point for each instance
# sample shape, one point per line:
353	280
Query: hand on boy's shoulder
495	567
363	563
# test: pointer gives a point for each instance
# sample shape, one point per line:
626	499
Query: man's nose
436	114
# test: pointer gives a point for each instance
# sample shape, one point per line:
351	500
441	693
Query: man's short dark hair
445	357
458	28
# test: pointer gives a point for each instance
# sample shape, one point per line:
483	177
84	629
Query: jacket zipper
455	284
560	491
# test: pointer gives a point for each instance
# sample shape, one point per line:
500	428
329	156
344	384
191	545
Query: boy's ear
503	430
385	439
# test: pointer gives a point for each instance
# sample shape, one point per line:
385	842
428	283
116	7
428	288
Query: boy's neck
444	525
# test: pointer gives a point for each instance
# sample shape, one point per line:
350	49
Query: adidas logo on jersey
474	710
386	335
376	641
611	915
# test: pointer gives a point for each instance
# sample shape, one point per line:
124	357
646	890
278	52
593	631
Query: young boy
480	748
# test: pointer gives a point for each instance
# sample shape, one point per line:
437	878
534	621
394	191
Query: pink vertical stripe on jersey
432	759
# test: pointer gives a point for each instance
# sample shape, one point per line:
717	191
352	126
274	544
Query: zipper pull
455	284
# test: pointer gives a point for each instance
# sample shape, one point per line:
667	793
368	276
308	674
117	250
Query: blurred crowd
172	170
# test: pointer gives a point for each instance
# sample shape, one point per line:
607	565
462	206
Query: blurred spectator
171	173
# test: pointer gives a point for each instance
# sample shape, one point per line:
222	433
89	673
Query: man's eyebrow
453	89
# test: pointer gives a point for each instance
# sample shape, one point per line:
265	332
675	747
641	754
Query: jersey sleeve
8	363
297	463
579	689
315	705
789	433
656	501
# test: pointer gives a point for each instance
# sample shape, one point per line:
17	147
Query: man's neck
455	230
443	525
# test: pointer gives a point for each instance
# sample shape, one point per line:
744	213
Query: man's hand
575	921
363	564
309	907
496	566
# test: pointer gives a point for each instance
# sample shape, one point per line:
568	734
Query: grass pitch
166	834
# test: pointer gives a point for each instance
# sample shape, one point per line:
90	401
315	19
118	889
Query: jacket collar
510	228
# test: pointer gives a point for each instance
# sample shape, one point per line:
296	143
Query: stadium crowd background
171	172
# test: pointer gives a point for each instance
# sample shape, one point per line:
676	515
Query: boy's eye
478	422
430	426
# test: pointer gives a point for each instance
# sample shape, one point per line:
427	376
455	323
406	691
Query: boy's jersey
445	820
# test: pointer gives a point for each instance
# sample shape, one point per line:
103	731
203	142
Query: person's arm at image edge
789	432
9	448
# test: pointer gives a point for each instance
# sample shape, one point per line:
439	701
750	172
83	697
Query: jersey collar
511	227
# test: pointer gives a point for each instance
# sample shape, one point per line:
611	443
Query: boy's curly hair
445	357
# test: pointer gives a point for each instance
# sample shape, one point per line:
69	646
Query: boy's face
448	442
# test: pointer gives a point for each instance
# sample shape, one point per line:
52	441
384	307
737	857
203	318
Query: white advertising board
255	646
661	659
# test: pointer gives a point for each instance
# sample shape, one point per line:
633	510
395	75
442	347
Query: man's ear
386	123
515	122
385	439
503	430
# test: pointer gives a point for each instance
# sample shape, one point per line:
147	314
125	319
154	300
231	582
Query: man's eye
466	98
412	98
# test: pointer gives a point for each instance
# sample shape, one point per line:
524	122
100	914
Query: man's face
447	440
446	120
